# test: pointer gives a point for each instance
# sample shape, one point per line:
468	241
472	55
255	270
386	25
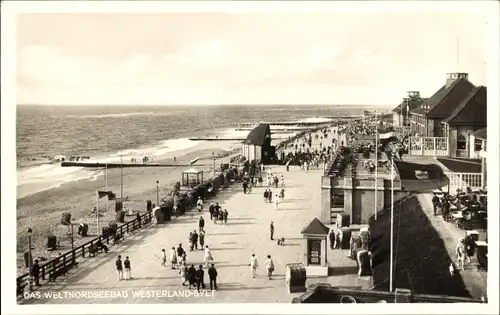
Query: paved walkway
474	280
247	232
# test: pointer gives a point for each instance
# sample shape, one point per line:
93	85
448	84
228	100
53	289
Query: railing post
434	144
421	145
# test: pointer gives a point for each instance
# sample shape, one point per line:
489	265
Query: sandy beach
43	211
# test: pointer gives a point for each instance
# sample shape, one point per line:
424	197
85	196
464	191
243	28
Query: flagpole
106	153
121	176
376	163
392	226
97	211
338	126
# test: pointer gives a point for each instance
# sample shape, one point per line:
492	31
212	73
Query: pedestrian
254	263
331	236
192	276
173	258
211	210
224	216
138	219
266	195
221	216
260	180
249	187
216	215
195	240
201	238
282	194
180	253
245	186
184	274
269	266
126	264
163	257
282	181
199	204
200	274
270	196
119	267
35	269
271	230
435	202
212	274
276	203
208	256
201	224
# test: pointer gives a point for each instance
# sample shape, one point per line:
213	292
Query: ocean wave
48	176
118	115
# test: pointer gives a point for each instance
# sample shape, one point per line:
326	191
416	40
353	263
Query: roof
461	165
446	99
258	135
421	259
413	104
191	171
472	110
315	228
480	134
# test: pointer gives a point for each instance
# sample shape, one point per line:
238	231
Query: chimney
452	77
413	94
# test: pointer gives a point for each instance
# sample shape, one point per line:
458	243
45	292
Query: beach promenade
246	233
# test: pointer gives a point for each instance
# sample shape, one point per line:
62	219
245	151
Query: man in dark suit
212	274
200	274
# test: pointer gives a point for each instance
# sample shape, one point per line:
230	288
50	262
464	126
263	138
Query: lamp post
30	260
157	194
72	244
213	156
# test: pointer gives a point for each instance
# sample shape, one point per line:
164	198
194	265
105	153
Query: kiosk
315	238
192	177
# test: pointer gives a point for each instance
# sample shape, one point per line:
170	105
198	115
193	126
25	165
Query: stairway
337	207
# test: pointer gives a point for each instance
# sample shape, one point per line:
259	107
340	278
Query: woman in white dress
269	266
208	256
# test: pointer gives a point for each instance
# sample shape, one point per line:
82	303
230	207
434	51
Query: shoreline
42	211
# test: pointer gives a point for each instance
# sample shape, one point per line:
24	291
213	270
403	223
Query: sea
112	133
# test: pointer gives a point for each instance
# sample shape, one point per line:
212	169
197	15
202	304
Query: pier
120	165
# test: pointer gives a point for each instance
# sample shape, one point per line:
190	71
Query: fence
429	146
464	180
66	261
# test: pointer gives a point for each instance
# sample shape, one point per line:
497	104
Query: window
478	144
461	142
314	252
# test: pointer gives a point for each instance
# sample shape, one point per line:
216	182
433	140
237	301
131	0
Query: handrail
68	259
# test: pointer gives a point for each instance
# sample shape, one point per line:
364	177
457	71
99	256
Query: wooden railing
62	264
464	180
429	146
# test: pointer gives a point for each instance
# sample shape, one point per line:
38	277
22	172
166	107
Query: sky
252	58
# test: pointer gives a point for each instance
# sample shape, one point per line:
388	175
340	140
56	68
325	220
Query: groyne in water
119	165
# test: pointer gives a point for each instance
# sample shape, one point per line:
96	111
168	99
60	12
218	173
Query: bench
62	271
94	248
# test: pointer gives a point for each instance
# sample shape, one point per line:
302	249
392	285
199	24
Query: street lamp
30	260
157	194
213	156
72	243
